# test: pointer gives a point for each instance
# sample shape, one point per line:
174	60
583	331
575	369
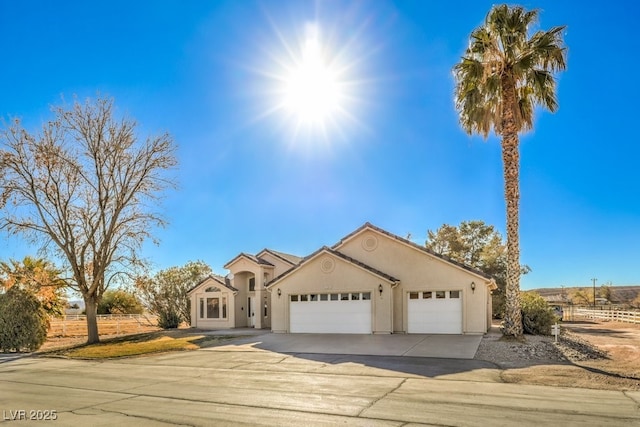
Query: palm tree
503	75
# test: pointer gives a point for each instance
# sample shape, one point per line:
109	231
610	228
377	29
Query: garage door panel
338	317
434	315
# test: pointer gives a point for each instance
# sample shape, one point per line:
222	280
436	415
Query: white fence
108	324
604	315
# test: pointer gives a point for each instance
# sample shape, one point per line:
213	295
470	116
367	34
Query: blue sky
250	177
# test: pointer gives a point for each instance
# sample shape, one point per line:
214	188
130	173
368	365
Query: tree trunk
91	307
511	162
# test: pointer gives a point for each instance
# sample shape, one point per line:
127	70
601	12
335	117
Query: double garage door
434	312
331	313
428	312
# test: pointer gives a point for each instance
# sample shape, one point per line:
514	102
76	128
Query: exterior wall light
380	289
279	292
473	287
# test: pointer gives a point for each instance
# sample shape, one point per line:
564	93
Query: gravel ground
536	349
571	362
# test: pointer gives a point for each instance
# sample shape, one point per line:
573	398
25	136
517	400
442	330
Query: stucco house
371	281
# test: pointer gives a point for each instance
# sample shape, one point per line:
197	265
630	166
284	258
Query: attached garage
333	313
434	312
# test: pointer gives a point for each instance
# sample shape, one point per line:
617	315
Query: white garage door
335	313
434	312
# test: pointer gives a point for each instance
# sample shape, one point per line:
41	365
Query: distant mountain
620	294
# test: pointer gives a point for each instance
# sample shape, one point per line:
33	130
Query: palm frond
502	51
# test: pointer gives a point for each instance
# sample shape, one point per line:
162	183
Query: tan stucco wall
279	266
419	271
312	278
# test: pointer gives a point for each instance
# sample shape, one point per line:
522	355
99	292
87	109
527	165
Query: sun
311	87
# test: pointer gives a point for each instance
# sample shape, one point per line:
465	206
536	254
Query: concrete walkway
437	346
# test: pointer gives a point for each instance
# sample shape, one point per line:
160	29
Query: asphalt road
236	386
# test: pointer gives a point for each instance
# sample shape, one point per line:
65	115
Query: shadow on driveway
422	355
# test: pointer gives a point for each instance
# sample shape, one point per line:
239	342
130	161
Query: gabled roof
326	249
369	226
216	278
251	258
288	258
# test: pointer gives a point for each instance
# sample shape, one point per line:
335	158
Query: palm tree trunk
511	162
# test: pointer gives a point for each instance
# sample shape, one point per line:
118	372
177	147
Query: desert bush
165	294
118	301
537	316
23	321
169	319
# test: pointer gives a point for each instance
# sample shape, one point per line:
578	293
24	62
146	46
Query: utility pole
594	293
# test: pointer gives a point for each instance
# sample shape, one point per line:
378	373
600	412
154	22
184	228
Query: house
371	281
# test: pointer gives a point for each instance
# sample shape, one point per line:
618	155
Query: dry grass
140	344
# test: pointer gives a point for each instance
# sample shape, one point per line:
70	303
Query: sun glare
311	88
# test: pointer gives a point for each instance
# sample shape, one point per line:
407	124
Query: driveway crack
373	402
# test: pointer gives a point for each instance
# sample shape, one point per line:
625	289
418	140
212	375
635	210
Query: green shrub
537	316
169	319
119	301
23	321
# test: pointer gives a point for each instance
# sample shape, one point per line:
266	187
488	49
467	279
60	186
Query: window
252	284
294	298
324	297
313	297
213	308
334	297
427	295
304	297
440	294
344	297
366	295
413	295
355	297
454	294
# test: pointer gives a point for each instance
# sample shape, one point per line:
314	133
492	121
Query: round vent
370	243
327	265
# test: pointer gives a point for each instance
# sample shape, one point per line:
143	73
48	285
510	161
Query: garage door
434	312
334	313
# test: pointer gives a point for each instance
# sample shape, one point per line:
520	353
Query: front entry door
251	312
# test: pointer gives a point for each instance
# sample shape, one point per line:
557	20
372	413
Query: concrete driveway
437	346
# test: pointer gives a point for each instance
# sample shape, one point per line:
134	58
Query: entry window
413	295
324	297
366	295
427	295
213	308
454	294
440	294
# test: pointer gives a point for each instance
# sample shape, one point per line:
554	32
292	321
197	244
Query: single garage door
434	312
330	313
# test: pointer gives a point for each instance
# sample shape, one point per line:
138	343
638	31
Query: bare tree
85	188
